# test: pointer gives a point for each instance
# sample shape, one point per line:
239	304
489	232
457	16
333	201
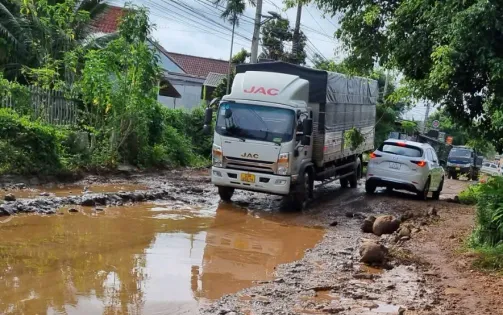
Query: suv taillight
419	163
373	155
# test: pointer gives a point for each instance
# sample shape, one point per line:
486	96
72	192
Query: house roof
199	66
213	79
108	21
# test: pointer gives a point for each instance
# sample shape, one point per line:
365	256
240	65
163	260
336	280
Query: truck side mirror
208	116
306	140
207	129
480	159
307	127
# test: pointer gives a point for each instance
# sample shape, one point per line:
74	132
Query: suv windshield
255	122
460	153
401	149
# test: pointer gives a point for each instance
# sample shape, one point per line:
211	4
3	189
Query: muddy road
164	244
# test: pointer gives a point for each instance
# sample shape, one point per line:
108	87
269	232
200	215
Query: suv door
431	166
439	170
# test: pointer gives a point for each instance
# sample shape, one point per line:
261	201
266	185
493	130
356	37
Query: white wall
191	97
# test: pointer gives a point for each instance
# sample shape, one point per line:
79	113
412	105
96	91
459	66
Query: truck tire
353	179
436	194
423	195
302	191
344	182
455	175
225	193
475	175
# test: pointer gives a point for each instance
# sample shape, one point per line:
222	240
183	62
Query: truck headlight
217	155
283	163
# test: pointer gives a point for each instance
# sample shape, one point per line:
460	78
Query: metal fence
51	106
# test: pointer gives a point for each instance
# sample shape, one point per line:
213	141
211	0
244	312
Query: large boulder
385	224
373	253
368	224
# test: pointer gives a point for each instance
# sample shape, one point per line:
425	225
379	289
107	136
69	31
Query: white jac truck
283	127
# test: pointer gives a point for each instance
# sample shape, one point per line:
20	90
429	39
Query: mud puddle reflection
163	258
69	190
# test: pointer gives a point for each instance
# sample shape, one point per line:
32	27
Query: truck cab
463	160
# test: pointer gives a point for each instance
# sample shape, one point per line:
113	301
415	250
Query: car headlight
217	155
283	163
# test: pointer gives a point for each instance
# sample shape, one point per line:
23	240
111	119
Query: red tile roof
108	21
199	66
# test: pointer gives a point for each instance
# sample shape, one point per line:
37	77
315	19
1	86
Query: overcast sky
197	29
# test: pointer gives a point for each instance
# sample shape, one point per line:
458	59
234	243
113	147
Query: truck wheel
225	193
436	194
370	188
423	195
302	192
455	175
353	179
344	182
475	176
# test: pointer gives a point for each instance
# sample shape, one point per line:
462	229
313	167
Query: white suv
406	165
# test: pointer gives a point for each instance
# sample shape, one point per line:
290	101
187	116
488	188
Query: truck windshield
255	122
460	153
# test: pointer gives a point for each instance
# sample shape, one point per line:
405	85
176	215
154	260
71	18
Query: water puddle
70	190
157	258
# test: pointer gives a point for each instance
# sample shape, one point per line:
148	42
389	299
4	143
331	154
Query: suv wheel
436	194
423	195
370	188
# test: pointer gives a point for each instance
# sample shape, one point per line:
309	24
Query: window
401	149
429	155
434	155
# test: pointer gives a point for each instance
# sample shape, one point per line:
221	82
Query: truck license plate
395	166
249	178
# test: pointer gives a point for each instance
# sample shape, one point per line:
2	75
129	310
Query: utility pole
230	56
296	32
426	116
256	32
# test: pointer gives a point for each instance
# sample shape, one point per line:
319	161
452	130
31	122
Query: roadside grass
489	259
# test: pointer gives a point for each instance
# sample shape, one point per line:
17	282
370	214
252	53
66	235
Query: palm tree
233	10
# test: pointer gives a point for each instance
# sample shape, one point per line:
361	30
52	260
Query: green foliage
470	195
275	34
353	138
18	95
490	258
29	147
448	51
237	59
489	222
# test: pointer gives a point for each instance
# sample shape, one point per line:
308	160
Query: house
187	80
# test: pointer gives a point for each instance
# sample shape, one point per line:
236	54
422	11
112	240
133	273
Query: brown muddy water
157	258
70	190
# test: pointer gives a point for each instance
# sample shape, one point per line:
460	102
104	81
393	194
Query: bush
490	258
28	147
489	222
470	195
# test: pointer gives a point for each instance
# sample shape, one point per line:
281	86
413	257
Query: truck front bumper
458	169
266	183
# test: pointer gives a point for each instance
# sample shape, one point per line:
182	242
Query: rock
7	210
73	210
99	209
405	238
350	215
385	224
456	199
370	305
363	276
44	194
406	216
87	201
20	186
373	253
368	223
333	309
401	311
404	231
334	223
432	211
9	197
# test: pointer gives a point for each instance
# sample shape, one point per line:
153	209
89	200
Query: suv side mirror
307	127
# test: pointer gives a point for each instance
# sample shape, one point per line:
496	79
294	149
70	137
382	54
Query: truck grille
250	165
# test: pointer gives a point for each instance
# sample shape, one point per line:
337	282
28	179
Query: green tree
237	59
449	51
276	35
